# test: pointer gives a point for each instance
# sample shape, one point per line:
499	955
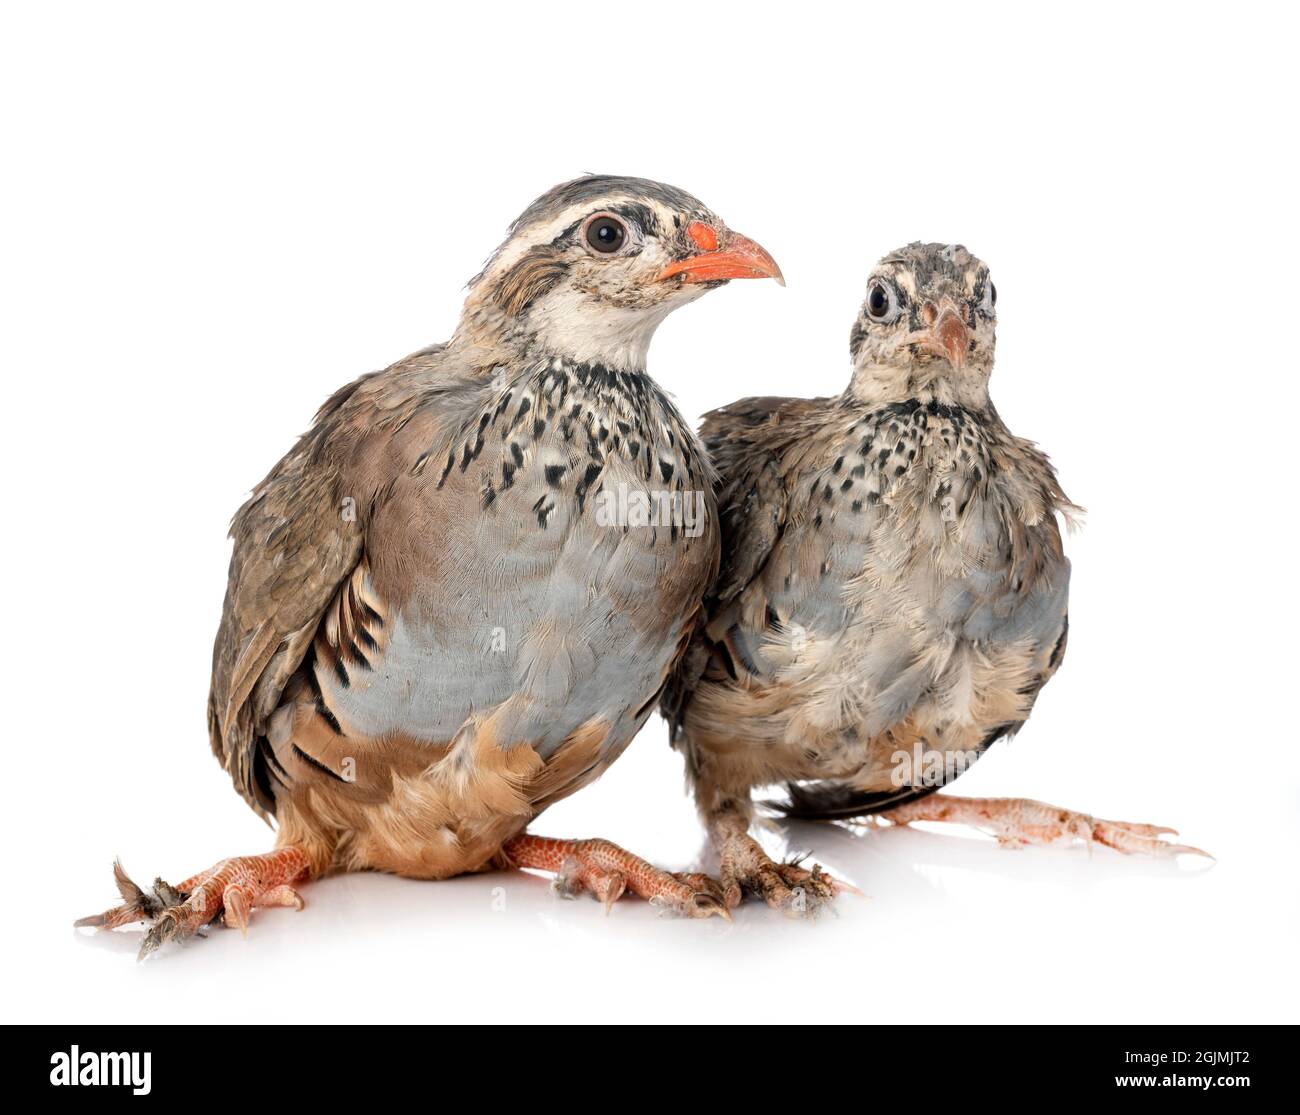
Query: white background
214	217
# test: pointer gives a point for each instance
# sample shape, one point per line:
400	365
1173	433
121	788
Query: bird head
590	269
927	325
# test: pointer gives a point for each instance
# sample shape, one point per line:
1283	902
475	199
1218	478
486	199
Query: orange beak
726	255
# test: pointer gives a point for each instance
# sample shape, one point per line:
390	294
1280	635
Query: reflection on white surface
952	928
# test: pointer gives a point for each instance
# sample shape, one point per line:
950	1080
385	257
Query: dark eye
993	295
606	234
880	302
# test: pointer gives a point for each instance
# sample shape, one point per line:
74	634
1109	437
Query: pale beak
947	336
725	255
952	336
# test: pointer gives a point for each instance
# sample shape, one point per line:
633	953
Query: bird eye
606	234
881	304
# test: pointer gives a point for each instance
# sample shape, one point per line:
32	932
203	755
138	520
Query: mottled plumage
893	590
432	628
477	643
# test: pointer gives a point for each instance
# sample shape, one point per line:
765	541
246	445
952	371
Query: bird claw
574	879
137	903
795	890
698	905
230	891
235	903
707	899
1133	838
173	924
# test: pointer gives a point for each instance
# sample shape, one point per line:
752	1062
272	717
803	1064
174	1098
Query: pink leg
1020	821
231	888
606	871
747	869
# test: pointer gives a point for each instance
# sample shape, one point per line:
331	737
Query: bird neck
567	325
880	385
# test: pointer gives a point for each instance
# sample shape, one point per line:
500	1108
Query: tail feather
834	801
829	801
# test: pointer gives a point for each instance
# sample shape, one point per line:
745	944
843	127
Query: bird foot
231	890
606	871
1017	822
795	890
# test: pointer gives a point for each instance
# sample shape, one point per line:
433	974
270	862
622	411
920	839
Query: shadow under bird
892	596
430	633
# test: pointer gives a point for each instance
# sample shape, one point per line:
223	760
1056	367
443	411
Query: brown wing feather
745	440
295	543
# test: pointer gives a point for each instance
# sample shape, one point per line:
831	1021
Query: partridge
459	596
892	595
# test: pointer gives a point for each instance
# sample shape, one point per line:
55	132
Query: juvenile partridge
892	595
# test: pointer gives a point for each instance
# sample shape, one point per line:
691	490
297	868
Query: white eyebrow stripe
907	281
524	241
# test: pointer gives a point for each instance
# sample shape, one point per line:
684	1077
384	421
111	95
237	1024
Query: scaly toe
171	925
609	889
568	880
807	897
137	903
1134	839
704	905
237	907
699	881
283	895
817	879
698	905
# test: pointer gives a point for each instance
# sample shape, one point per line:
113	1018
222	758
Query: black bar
1222	1063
